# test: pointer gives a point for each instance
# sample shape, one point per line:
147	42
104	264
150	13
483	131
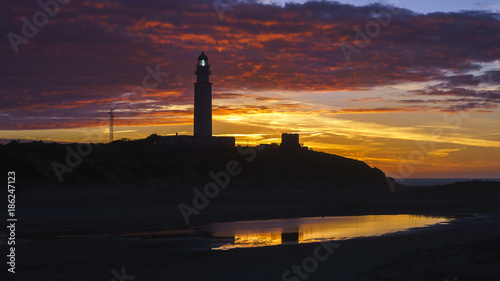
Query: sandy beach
467	248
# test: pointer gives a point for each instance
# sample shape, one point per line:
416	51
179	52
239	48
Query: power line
111	117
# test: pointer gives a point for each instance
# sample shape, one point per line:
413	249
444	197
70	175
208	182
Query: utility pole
111	117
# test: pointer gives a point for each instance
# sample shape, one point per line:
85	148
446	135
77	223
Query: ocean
438	181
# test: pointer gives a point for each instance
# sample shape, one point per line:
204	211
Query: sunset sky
420	99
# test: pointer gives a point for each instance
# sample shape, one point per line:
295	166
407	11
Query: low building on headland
291	141
192	141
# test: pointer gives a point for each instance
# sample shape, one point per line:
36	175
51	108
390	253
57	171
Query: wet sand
467	248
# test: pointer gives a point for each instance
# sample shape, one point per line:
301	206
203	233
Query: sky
409	87
419	6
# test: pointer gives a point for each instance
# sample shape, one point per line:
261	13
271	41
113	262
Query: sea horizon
438	181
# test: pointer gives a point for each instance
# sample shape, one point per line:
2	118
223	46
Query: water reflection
247	234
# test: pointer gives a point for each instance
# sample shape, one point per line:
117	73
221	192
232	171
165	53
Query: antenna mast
111	117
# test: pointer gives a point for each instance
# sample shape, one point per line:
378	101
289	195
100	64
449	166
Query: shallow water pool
260	233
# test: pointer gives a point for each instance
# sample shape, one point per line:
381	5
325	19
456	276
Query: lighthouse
202	99
202	137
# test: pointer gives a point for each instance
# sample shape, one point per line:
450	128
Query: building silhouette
202	126
291	141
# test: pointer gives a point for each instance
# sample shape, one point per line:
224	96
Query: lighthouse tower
202	115
202	99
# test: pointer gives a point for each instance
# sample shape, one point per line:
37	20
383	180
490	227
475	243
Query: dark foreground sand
468	248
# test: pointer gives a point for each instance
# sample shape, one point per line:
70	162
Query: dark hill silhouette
144	163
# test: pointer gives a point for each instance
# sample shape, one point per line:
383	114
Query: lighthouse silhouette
202	99
202	127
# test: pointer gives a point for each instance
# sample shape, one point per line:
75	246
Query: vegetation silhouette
143	162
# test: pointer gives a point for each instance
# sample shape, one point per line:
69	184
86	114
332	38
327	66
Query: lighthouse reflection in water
248	234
